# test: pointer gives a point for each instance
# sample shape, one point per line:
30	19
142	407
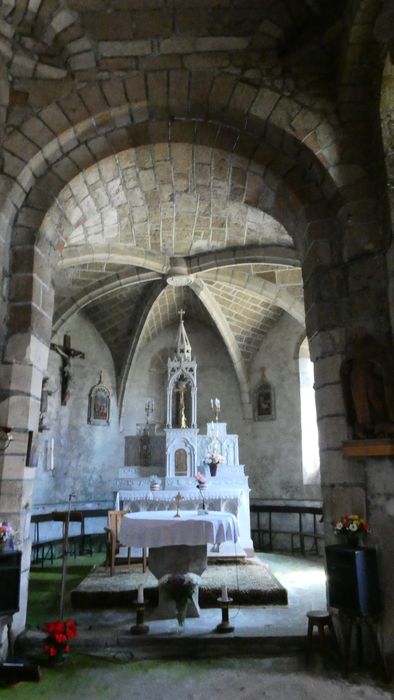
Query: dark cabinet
353	584
10	578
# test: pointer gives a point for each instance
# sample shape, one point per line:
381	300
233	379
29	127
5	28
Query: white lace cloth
162	529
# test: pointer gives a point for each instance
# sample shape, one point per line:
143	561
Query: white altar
177	543
182	453
164	529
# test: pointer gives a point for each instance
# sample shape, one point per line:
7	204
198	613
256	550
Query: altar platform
260	630
249	582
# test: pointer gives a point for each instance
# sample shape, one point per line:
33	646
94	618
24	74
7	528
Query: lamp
5	438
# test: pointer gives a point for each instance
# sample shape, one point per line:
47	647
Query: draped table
177	545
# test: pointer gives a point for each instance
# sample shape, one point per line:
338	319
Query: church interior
196	213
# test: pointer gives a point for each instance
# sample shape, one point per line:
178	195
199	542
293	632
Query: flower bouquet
352	527
56	644
213	460
7	534
180	589
201	485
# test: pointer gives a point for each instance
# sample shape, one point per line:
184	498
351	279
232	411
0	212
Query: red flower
59	632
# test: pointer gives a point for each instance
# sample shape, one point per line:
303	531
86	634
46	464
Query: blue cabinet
10	578
353	584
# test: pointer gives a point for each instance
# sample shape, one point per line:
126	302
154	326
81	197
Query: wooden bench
44	549
263	533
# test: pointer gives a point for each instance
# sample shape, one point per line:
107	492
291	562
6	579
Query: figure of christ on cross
66	352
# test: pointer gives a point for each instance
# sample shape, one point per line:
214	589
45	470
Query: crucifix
66	352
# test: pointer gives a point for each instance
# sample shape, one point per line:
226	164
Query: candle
224	593
51	454
211	403
140	597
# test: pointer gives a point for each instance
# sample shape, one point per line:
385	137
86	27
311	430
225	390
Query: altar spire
183	347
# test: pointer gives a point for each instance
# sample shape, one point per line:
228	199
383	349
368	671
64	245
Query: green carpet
249	582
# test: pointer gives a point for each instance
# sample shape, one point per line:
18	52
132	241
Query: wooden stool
320	619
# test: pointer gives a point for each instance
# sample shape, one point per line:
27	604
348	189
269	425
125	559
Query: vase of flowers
154	484
179	588
56	644
352	527
7	534
213	460
201	485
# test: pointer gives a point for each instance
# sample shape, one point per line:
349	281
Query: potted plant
154	483
56	644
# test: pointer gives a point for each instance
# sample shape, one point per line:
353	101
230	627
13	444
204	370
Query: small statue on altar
368	387
181	390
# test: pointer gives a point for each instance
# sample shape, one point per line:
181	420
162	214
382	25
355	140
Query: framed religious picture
264	402
99	403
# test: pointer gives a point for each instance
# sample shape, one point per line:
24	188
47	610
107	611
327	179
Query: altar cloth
163	529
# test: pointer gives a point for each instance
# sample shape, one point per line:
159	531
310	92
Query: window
310	439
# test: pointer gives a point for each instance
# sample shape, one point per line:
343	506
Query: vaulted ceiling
152	228
158	206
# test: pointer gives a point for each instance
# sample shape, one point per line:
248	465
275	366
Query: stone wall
270	450
274	446
86	457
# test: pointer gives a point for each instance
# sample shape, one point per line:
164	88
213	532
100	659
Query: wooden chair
113	543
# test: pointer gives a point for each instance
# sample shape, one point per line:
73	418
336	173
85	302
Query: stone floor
262	658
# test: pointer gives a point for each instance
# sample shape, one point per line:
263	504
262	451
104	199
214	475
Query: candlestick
140	627
224	601
140	596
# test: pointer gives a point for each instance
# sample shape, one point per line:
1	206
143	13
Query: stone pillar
25	361
21	384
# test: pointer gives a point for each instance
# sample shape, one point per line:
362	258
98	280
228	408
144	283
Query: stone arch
30	219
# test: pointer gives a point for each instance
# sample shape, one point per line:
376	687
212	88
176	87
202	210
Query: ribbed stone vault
161	203
176	199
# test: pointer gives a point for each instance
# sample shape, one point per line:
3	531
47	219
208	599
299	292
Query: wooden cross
181	314
66	352
178	498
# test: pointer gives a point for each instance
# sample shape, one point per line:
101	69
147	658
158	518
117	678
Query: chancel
185	452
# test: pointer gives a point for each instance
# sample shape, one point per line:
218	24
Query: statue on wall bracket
264	400
368	387
99	403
